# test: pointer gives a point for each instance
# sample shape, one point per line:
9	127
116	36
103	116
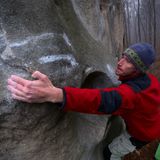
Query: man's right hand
36	91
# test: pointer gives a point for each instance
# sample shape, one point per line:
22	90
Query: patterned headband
133	56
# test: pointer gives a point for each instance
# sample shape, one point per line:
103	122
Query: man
136	99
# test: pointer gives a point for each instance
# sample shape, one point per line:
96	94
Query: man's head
142	55
139	57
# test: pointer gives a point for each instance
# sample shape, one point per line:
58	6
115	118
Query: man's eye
127	59
122	56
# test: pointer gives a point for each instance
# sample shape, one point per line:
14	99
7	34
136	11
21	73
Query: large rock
68	40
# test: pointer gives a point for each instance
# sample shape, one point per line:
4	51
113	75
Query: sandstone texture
71	42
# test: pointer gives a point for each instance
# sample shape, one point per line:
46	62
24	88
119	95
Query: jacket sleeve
82	100
98	101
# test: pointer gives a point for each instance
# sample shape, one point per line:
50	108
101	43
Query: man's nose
121	61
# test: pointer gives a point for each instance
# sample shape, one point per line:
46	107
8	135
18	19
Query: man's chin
118	73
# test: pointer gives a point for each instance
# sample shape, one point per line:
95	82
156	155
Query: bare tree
140	21
138	26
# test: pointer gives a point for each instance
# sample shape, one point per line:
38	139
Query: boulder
70	42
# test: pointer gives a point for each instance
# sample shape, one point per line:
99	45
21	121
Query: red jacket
136	100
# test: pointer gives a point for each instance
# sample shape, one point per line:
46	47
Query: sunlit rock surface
69	41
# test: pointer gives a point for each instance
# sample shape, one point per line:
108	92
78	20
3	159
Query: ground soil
146	153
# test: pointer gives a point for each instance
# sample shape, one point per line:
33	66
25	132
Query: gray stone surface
63	39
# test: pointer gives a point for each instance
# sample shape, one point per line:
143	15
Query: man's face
125	67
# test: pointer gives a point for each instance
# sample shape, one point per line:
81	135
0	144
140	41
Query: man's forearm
82	100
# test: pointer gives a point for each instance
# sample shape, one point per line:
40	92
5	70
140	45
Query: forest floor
148	151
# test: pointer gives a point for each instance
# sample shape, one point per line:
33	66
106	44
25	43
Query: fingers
19	86
27	90
14	91
19	98
17	80
39	75
16	88
20	92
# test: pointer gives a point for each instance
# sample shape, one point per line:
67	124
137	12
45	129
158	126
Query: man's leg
119	147
106	153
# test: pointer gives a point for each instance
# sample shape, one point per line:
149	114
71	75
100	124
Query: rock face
70	41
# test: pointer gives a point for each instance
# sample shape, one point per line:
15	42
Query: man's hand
36	91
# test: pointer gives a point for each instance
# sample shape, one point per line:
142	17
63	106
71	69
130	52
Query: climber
136	99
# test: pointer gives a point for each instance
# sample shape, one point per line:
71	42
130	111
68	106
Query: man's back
143	119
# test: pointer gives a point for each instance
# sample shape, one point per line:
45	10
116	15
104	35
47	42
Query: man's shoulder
140	83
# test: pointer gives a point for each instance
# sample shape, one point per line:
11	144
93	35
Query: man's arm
42	90
94	101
